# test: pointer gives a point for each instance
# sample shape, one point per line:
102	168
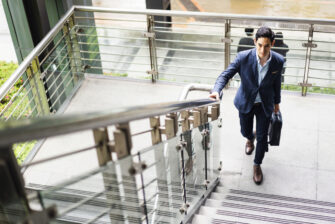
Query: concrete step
298	207
326	207
286	213
202	219
247	216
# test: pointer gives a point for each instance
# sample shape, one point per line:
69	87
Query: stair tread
276	197
251	217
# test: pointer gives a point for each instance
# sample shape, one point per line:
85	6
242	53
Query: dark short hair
266	32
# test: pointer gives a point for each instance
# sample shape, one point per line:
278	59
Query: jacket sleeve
277	85
227	74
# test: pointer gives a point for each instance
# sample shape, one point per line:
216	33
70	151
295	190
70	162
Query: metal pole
309	46
227	42
143	191
152	48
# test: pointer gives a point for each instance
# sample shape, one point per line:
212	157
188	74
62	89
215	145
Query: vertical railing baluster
152	48
183	178
227	41
309	46
143	192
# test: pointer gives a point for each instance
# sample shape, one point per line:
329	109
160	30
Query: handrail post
309	46
152	48
37	87
227	41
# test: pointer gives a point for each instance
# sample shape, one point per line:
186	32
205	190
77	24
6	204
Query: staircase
238	206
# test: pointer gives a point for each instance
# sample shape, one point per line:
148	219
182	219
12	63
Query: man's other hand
276	109
214	95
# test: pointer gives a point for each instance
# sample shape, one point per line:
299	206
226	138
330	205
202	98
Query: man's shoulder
245	53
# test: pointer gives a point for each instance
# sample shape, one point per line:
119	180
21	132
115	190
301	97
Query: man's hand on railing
214	95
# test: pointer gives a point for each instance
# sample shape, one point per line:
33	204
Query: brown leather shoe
249	146
258	175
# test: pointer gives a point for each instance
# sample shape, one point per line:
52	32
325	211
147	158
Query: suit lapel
254	66
267	75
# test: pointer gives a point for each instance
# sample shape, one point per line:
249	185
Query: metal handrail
35	52
38	128
207	14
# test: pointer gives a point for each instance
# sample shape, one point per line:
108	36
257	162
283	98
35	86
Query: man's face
263	47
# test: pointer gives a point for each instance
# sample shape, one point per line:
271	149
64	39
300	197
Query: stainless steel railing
194	47
130	180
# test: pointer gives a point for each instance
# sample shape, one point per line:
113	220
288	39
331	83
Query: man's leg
246	122
262	126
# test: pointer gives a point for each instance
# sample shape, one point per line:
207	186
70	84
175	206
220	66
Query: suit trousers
262	126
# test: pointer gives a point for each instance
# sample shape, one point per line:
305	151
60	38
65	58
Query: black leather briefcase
276	124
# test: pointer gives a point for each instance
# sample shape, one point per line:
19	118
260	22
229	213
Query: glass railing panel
109	192
162	182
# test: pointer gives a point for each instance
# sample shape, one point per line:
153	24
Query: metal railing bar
42	50
295	49
26	62
119	69
142	132
114	37
10	115
105	211
207	15
187	75
193	33
190	23
14	97
189	50
113	19
190	42
32	111
111	28
57	56
59	64
190	59
55	91
25	108
320	86
51	75
67	84
82	202
72	78
320	78
322	41
286	39
322	51
77	179
125	62
294	67
106	53
323	60
275	28
26	165
18	131
52	50
322	69
187	67
113	45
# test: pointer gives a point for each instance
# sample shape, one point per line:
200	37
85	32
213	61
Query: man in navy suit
258	96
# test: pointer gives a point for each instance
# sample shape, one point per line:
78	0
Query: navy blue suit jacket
245	64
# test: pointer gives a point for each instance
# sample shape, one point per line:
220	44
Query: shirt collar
258	60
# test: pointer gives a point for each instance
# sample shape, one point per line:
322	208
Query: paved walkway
303	165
